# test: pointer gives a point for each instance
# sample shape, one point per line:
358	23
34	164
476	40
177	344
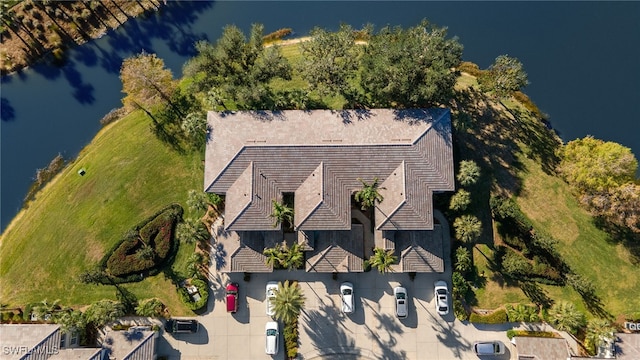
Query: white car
346	295
272	334
442	297
270	292
402	308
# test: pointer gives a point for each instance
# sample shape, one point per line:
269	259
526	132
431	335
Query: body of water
582	59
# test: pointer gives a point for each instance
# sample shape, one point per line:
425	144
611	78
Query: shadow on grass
536	294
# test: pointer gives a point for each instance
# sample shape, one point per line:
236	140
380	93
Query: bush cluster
470	68
496	317
511	333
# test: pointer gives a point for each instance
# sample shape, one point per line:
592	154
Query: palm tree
197	201
274	256
522	312
104	311
289	301
383	259
598	331
369	194
46	308
293	257
469	172
281	213
463	260
468	228
150	308
72	320
565	317
195	261
192	230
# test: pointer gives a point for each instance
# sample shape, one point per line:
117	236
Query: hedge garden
144	248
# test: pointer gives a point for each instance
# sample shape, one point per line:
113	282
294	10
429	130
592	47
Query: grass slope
75	219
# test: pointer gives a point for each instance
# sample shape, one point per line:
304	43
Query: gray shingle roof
542	348
255	156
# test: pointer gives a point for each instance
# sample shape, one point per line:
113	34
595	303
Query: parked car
177	326
346	294
272	334
400	294
270	292
232	297
488	348
441	292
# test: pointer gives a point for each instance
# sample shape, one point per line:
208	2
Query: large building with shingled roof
319	158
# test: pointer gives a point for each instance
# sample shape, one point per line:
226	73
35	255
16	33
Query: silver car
488	348
346	295
402	308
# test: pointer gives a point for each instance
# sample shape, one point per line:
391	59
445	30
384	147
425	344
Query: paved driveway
371	332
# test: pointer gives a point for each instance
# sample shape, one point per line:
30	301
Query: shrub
470	68
460	286
112	116
522	312
277	35
511	333
496	317
203	289
460	200
290	333
460	311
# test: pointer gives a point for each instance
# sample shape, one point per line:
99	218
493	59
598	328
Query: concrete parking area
371	332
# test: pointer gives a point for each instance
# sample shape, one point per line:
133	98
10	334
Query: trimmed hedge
290	333
496	317
511	333
157	231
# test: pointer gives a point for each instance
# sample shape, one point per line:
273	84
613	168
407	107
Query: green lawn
548	202
67	229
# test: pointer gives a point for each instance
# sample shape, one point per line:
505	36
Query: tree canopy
146	82
330	60
238	67
504	76
594	166
410	68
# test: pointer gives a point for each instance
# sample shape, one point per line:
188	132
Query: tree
505	76
194	127
293	257
330	60
565	317
594	166
460	200
383	259
197	200
598	331
194	263
410	68
468	228
46	309
369	194
192	230
289	301
146	82
274	256
150	308
238	68
72	320
104	311
469	172
619	206
281	214
463	260
460	286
